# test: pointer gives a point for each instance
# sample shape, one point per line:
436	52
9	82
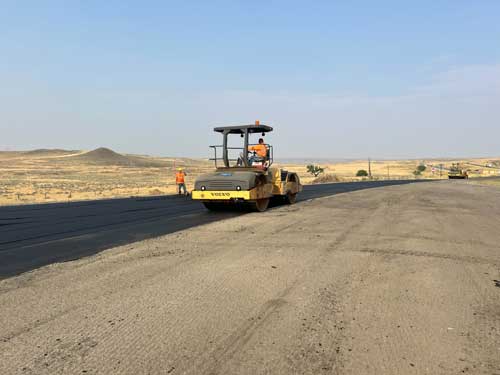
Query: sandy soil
394	280
494	182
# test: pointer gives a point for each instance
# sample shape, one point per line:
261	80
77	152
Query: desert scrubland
63	175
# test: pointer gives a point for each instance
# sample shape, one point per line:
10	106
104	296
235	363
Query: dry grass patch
327	178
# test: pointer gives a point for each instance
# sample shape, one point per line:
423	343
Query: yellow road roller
244	176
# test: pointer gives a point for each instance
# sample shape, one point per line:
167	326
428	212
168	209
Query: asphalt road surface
395	280
32	236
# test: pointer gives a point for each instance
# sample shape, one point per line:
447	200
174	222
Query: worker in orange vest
260	152
180	181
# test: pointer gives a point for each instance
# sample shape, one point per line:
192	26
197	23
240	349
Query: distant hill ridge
101	156
49	152
105	156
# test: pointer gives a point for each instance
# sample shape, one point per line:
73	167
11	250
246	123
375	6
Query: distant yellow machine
246	180
456	172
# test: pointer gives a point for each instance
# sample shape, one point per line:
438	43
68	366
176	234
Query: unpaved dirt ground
394	280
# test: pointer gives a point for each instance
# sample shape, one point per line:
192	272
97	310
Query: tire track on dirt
426	254
242	335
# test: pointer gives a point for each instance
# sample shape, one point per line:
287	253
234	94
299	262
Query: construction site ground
391	280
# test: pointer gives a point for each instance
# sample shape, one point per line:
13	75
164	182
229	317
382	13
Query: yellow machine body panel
274	187
228	195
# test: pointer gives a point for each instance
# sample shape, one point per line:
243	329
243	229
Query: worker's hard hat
179	169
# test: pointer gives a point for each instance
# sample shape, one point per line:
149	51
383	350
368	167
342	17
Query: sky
336	79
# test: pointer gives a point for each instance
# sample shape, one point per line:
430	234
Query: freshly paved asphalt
32	236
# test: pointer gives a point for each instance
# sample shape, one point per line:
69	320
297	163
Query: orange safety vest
179	177
261	150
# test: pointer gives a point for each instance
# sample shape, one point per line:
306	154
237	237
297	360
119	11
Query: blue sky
336	78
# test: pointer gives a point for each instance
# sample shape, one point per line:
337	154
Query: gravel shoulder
393	280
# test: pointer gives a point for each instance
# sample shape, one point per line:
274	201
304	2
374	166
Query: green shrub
315	170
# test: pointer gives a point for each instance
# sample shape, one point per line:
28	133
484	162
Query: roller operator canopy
241	129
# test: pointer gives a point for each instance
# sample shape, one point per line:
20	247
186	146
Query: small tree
421	168
315	170
362	173
416	173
